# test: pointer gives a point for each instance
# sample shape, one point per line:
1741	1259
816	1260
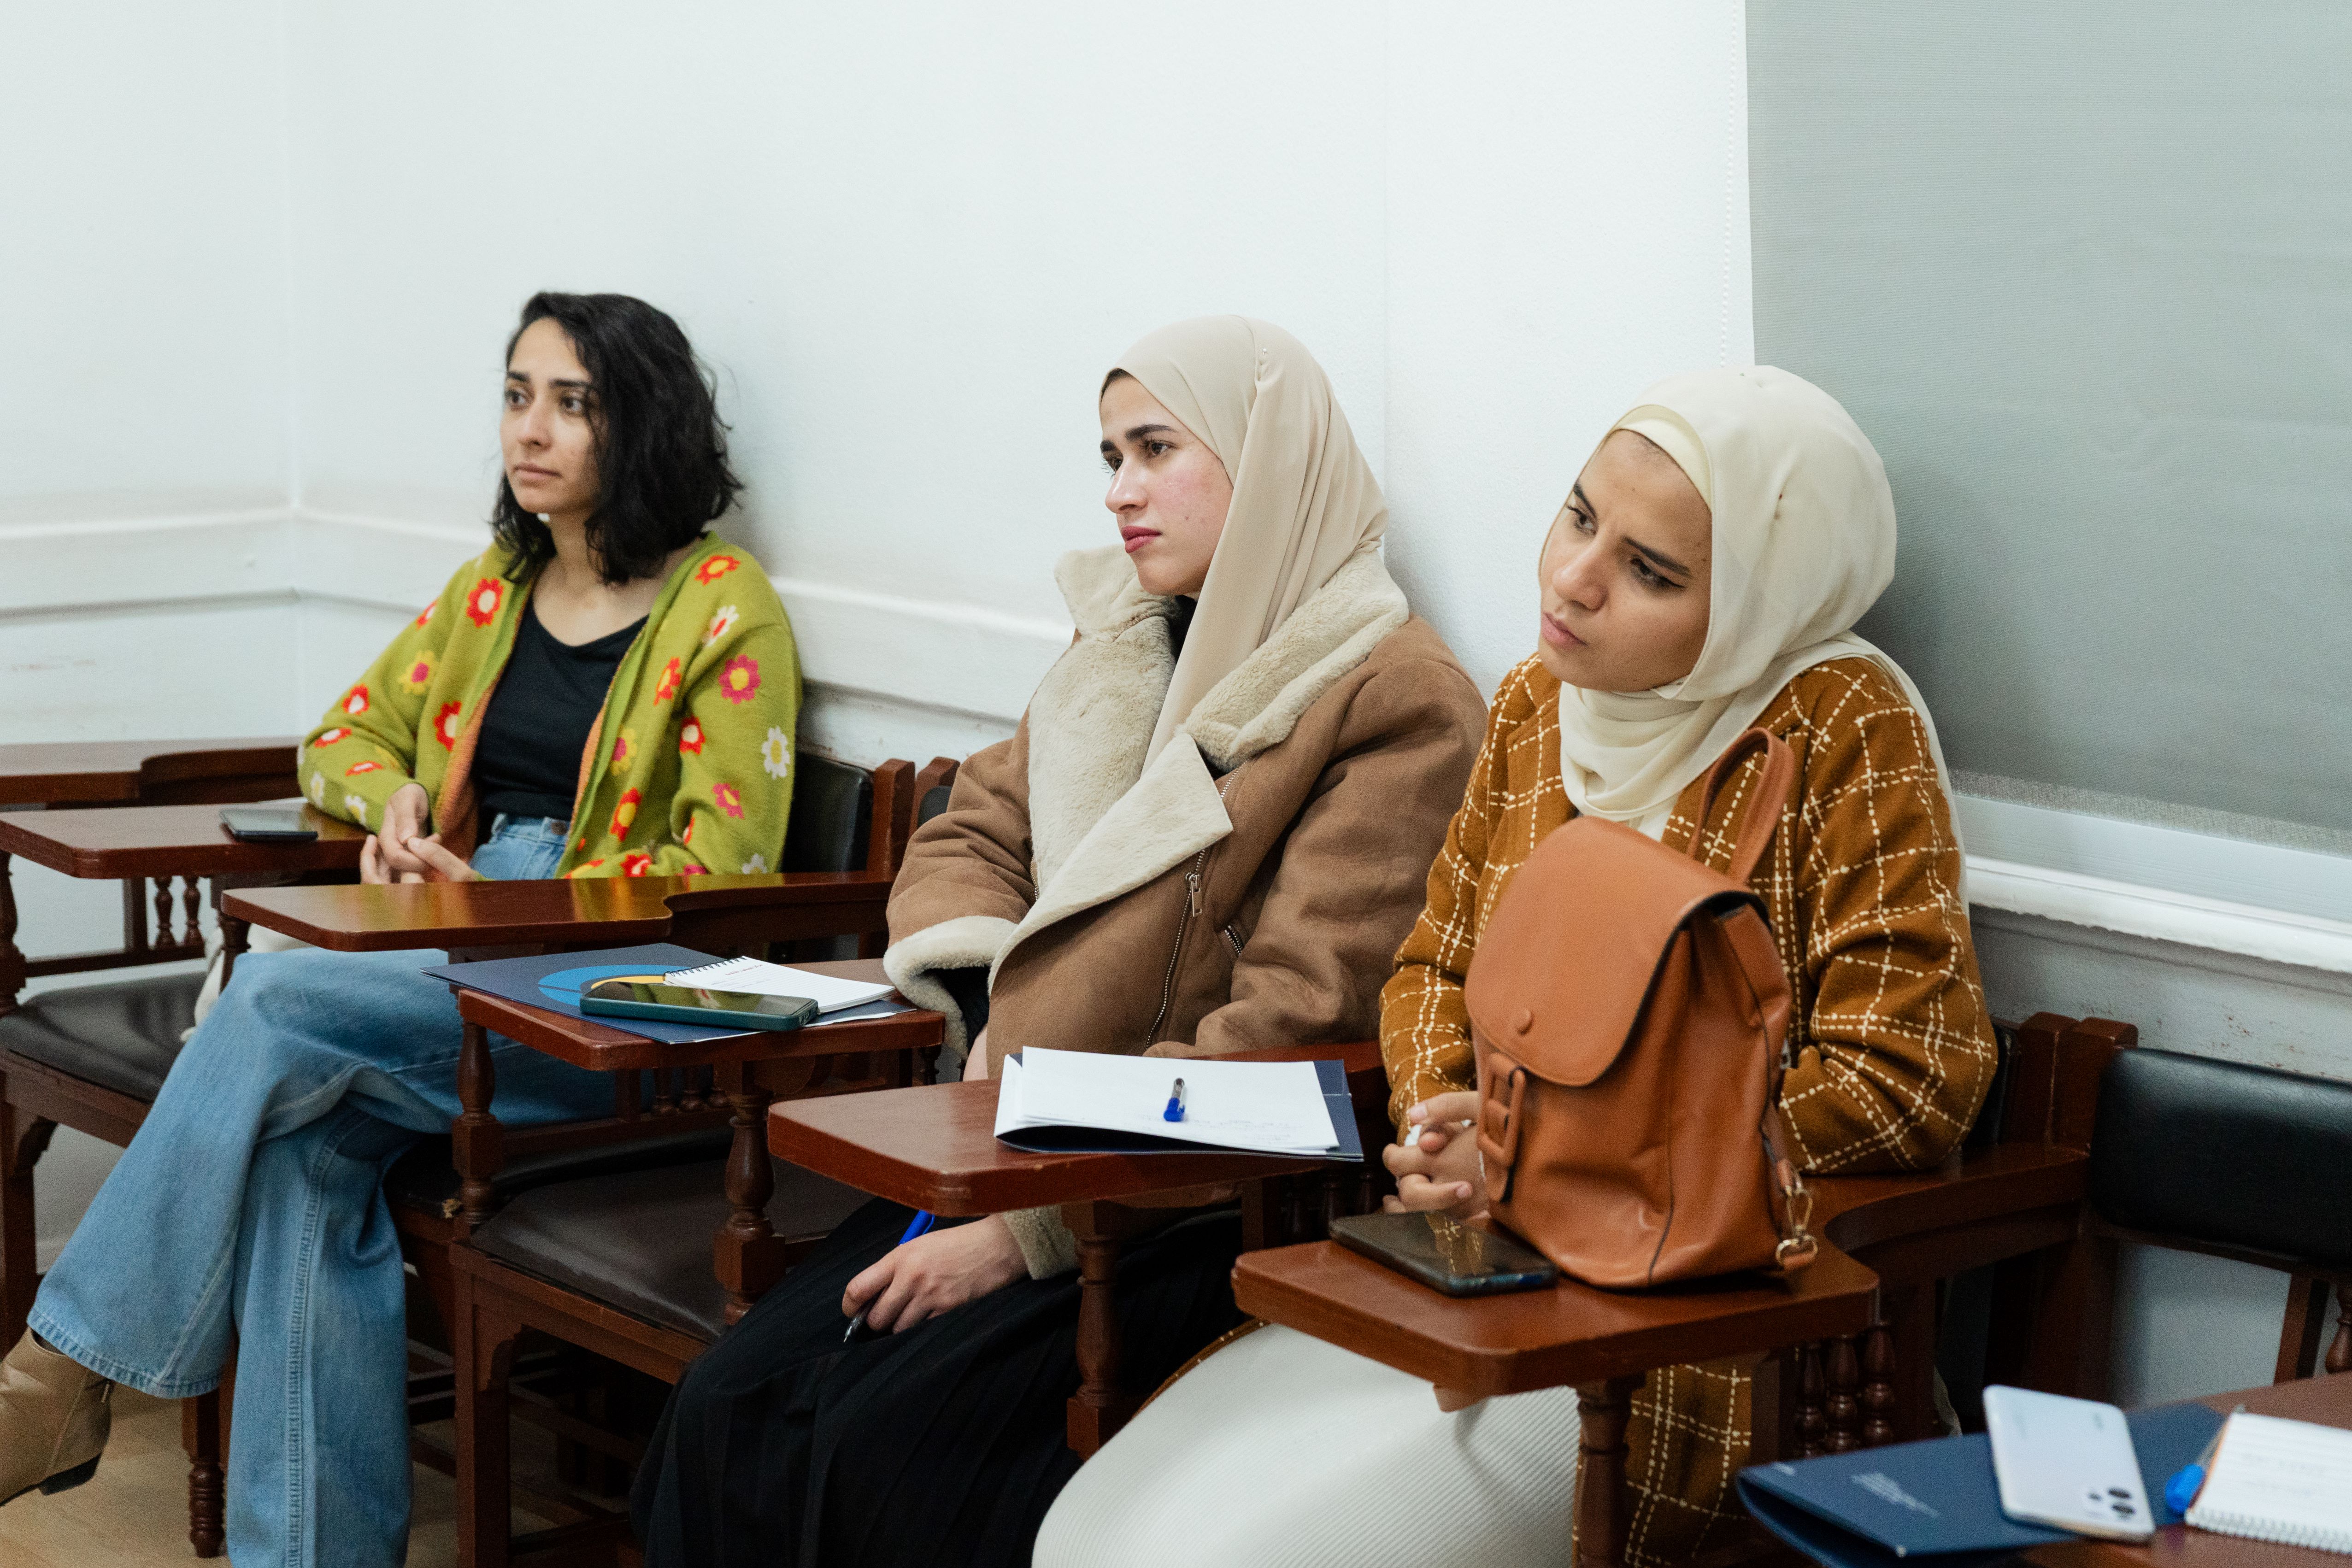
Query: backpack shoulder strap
1763	814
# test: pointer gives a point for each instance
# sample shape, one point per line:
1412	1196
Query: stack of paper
837	1000
1257	1107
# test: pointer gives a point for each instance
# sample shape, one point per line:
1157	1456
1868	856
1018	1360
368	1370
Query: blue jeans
252	1196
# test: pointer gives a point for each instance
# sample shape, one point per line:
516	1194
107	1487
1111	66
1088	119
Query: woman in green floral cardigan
609	691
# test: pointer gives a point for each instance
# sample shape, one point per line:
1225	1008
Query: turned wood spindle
690	1091
664	1105
1100	1406
1844	1405
163	911
207	1508
743	1240
1877	1386
475	1136
1602	1514
191	911
234	933
2339	1349
1812	1422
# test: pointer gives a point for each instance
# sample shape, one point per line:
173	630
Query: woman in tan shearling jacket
1208	834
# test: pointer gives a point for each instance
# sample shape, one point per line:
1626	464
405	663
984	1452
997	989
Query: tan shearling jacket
1247	889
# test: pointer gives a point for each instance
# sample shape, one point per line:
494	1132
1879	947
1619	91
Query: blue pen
922	1222
2181	1490
1175	1112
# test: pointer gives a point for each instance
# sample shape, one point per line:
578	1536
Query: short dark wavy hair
661	447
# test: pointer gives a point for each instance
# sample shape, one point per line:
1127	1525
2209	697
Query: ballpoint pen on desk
2188	1480
924	1220
1175	1112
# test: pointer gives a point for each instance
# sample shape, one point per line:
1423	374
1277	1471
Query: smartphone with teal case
653	996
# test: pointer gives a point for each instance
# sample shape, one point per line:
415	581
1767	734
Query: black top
528	760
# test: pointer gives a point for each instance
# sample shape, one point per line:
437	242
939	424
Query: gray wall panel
2083	273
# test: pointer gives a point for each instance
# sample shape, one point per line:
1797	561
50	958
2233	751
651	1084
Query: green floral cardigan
689	768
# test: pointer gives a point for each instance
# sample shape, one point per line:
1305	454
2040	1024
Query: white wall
249	423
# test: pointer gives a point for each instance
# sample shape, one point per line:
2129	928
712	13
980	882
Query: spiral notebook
2287	1481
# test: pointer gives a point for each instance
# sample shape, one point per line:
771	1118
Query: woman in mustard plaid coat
610	690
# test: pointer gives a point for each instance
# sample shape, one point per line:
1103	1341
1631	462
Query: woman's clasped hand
402	850
1437	1163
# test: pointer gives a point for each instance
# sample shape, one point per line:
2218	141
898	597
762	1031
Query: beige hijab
1304	501
1804	543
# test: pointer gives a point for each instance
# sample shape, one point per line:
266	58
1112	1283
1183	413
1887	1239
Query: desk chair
2243	1162
2015	1203
619	1260
93	1057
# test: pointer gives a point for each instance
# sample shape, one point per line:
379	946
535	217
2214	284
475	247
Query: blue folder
1877	1507
555	980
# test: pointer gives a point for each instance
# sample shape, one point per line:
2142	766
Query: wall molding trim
2181	920
978	666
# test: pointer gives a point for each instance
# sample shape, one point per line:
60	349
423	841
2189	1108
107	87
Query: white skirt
1282	1451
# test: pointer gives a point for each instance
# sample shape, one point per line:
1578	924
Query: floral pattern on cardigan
687	770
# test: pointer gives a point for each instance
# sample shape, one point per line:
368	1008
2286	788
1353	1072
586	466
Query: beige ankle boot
55	1415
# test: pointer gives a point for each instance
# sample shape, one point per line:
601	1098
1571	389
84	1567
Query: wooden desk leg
1603	1513
234	933
477	1142
744	1254
1101	1407
12	957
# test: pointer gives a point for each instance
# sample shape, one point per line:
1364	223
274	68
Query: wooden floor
135	1513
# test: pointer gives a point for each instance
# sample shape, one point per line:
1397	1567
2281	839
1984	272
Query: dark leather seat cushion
123	1035
2212	1151
426	1178
640	1241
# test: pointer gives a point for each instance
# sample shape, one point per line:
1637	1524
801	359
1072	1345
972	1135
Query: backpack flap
1567	961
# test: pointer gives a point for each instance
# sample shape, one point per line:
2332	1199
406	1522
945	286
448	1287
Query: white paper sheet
829	992
1271	1107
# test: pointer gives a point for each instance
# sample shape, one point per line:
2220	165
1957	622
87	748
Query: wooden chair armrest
582	912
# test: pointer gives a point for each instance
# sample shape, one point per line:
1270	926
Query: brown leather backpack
1630	1013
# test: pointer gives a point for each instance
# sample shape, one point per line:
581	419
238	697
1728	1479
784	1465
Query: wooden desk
101	771
133	844
169	841
604	911
2325	1401
933	1148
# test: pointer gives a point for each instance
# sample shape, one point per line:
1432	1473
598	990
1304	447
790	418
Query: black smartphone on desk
1444	1254
653	996
266	825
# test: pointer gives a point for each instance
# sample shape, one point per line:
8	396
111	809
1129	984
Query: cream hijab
1804	543
1304	501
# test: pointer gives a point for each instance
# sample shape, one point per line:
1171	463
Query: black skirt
941	1446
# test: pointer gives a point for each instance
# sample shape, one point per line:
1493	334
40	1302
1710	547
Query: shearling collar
1101	824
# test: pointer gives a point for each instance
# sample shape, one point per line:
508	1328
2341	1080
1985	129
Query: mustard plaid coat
687	768
1894	1049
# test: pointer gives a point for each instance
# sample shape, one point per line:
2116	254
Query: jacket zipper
1184	924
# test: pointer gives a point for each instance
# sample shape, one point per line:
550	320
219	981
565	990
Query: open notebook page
1273	1108
829	992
